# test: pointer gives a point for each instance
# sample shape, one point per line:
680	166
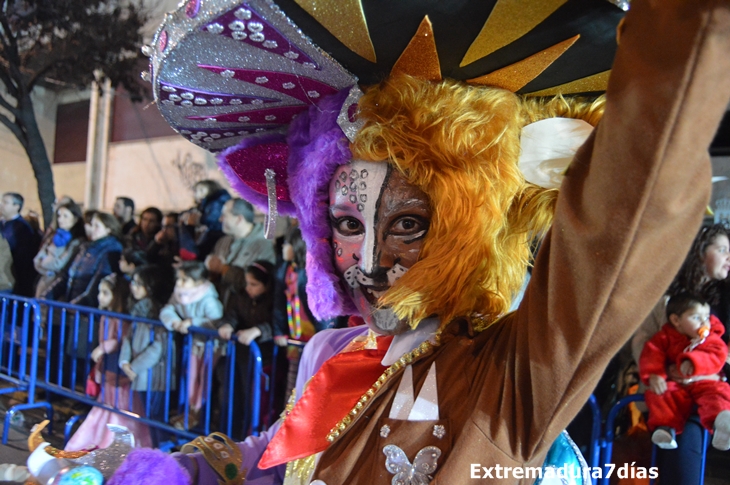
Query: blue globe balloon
83	475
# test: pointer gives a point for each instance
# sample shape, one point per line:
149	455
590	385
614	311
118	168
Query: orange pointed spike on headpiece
596	82
420	58
515	76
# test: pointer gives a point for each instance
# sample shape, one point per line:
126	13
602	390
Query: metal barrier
19	321
69	337
594	454
610	435
71	333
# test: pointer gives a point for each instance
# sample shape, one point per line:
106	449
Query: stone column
100	115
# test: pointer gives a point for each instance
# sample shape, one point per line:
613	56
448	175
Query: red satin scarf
330	395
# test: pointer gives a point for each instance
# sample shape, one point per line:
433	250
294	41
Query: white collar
407	341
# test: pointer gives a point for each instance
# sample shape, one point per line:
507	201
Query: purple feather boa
317	146
145	466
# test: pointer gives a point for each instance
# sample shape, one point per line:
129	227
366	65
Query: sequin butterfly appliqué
418	473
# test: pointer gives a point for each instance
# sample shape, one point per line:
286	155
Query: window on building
137	121
72	131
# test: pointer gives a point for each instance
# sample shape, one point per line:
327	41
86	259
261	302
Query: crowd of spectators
210	266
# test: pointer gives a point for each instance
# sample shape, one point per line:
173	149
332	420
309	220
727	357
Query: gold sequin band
299	471
406	359
289	404
223	456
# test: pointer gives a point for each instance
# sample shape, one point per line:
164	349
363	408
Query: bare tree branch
17	131
7	81
13	110
9	41
11	49
40	74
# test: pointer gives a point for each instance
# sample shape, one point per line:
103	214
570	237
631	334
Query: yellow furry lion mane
460	145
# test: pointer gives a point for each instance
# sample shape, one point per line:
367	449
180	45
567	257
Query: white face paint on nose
356	190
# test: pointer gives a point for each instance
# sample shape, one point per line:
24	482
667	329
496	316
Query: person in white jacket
194	303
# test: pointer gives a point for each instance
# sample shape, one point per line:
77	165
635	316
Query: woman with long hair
707	264
59	249
98	259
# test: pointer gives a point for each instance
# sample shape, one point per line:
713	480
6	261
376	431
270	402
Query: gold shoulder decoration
223	456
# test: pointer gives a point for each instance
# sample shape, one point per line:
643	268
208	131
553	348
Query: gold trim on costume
299	471
223	456
515	76
407	358
345	19
289	404
508	21
35	439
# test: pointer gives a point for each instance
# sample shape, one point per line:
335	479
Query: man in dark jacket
23	241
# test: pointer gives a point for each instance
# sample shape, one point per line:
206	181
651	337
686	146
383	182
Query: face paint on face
379	222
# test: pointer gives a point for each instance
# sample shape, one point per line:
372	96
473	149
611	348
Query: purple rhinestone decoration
192	8
208	135
245	25
162	41
304	89
277	116
250	163
172	95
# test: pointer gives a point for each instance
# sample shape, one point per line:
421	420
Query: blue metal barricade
594	454
15	325
219	366
73	334
64	355
20	327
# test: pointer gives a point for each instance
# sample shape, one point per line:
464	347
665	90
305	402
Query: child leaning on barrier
115	386
194	303
144	353
691	342
247	317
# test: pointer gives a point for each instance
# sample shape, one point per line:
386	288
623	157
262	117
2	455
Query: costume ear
245	166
